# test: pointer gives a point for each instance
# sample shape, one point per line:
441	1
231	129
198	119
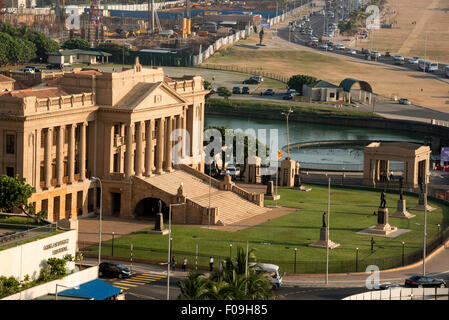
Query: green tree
76	44
14	193
194	287
44	45
116	50
297	81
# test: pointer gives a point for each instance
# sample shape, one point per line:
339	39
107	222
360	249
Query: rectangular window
10	171
10	144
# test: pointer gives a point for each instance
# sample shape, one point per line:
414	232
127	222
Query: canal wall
439	135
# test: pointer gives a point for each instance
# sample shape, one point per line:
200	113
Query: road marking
126	284
122	287
135	281
151	277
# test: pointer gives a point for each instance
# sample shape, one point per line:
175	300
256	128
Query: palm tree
195	287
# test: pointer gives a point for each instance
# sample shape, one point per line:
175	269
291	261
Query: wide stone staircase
232	207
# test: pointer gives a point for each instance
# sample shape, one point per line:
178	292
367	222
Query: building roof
79	51
347	83
4	78
96	289
39	93
322	84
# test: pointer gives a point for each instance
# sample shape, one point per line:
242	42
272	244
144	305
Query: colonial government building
92	139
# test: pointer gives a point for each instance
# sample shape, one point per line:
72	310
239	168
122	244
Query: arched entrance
148	208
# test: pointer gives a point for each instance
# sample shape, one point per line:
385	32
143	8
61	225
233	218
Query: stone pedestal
322	242
420	206
159	225
401	211
270	195
382	228
298	185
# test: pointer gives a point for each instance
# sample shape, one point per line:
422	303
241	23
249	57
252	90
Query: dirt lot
287	59
415	18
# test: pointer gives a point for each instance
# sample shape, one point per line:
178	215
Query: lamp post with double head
287	114
169	246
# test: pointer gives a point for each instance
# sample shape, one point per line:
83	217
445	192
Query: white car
398	58
351	51
25	70
375	54
339	47
413	60
323	46
404	101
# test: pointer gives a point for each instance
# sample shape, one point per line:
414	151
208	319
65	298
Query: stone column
82	150
71	153
160	145
37	169
168	145
129	159
149	156
60	156
184	133
47	156
139	148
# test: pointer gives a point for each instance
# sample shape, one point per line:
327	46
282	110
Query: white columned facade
149	155
82	151
71	153
47	157
129	159
60	156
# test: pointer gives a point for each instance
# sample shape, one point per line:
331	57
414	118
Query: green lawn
275	240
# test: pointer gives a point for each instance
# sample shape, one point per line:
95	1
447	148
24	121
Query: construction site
179	27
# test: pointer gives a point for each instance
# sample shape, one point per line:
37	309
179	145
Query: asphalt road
317	24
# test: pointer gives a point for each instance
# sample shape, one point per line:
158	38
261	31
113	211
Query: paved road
317	24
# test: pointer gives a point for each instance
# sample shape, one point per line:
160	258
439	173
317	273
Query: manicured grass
275	240
20	220
273	108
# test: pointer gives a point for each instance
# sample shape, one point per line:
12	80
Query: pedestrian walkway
137	280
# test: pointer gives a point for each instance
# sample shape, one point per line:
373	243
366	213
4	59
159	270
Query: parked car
34	68
253	80
291	91
268	92
233	171
418	281
398	58
413	60
375	54
323	46
236	90
54	66
388	285
351	51
404	101
339	47
245	90
365	51
113	270
288	96
25	70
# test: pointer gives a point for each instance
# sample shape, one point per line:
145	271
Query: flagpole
277	169
327	230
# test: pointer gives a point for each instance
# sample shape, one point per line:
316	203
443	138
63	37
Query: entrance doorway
116	202
149	207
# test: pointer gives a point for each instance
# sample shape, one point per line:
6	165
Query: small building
376	168
66	57
6	83
322	91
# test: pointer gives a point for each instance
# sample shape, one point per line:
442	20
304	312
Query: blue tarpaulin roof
96	289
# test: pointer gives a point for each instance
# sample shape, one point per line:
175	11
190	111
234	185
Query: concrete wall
72	280
28	258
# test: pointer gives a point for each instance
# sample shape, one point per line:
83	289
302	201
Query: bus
427	65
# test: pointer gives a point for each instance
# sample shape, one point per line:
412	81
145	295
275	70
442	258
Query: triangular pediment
148	95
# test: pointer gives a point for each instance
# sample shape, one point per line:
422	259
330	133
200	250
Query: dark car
268	92
245	90
113	270
34	68
54	66
387	285
236	90
424	282
288	96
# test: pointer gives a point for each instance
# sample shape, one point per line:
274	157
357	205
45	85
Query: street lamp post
99	223
438	234
296	249
356	259
287	114
403	249
112	253
425	228
169	246
230	251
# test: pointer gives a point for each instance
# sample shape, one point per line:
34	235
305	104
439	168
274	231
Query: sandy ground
408	38
287	59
